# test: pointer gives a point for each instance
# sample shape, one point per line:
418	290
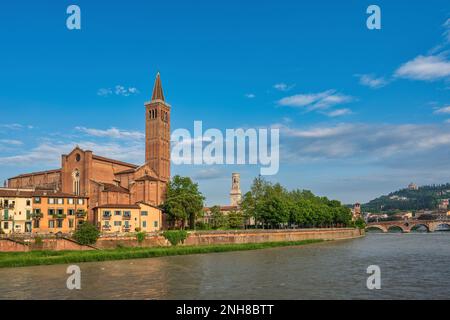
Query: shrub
86	234
175	236
140	237
38	241
360	224
201	226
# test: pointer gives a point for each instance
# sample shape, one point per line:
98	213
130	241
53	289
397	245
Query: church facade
112	183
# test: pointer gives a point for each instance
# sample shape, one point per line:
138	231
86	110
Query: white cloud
250	95
444	110
371	81
318	132
316	101
48	154
339	112
118	90
122	91
112	133
11	142
104	92
427	68
15	126
283	86
388	145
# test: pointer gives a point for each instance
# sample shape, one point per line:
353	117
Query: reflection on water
413	266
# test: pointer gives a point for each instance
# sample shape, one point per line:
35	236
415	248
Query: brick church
108	182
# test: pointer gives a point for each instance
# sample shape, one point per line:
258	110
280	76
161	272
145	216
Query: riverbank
35	258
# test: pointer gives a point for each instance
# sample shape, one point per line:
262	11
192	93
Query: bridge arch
378	227
418	225
397	227
438	225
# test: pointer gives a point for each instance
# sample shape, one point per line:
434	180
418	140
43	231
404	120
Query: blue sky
361	112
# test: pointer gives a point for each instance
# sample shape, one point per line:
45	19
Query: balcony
126	229
106	218
59	216
106	228
81	214
126	218
7	218
9	206
37	215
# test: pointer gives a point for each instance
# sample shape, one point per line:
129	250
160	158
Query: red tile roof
109	187
114	161
126	171
118	206
36	173
147	178
27	193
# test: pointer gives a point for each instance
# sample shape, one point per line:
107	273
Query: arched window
76	182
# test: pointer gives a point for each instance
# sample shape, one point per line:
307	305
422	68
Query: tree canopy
271	205
184	201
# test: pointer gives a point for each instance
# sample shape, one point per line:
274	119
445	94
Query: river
413	266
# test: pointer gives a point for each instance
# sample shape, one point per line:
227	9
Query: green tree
184	202
235	220
218	218
274	210
86	234
252	199
360	223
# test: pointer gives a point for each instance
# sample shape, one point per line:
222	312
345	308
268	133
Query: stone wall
9	245
194	239
257	236
229	237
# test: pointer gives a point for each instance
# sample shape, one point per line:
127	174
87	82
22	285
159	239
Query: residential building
15	210
56	212
128	218
40	211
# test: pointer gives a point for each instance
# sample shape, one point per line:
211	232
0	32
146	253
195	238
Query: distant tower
157	134
356	211
236	194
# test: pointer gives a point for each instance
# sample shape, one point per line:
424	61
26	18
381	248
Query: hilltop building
112	184
413	186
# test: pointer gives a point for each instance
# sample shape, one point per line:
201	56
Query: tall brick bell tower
157	132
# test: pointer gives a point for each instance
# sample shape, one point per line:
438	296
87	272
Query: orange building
40	211
109	182
56	212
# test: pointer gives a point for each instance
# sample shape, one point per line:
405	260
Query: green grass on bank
34	258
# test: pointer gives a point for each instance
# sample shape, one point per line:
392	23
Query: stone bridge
407	226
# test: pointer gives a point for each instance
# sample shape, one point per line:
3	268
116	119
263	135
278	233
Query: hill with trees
408	199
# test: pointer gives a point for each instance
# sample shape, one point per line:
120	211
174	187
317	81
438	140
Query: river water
413	266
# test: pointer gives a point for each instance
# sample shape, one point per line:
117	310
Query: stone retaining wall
257	236
194	239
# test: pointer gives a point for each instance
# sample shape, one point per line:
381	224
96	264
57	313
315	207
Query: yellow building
15	210
128	218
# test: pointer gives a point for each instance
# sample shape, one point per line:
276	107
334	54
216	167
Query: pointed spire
157	89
